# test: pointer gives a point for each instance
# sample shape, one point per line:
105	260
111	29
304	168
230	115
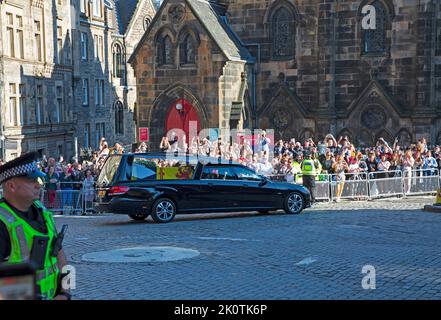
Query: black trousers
309	183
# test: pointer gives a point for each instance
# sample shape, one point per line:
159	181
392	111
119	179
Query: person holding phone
27	229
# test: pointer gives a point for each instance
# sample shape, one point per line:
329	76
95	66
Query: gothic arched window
117	61
187	49
147	21
165	50
283	33
119	118
374	40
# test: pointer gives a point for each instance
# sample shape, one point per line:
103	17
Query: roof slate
210	17
125	10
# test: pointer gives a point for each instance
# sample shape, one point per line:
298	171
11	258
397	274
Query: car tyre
294	203
163	210
138	216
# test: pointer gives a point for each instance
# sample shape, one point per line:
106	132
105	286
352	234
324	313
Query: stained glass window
119	118
283	33
164	51
188	51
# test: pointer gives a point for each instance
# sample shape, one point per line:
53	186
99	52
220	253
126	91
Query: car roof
206	160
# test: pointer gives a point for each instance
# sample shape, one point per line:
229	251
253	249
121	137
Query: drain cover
141	254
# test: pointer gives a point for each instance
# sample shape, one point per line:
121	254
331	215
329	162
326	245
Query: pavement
382	249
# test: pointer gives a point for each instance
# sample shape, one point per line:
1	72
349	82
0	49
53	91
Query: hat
23	166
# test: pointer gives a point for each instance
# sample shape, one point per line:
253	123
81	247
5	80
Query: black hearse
163	185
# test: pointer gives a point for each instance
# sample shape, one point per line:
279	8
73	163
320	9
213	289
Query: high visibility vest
297	170
21	235
308	167
296	167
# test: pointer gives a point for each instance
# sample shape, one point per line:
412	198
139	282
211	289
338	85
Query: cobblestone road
316	255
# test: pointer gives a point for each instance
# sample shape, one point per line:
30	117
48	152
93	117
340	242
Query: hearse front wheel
294	203
163	210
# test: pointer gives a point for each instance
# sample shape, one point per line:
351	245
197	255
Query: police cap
23	166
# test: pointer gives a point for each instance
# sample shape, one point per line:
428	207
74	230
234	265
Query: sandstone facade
309	66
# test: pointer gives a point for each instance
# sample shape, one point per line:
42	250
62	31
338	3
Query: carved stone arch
158	113
165	43
279	3
119	43
306	134
281	21
146	21
166	30
365	138
404	138
188	43
285	113
118	109
118	61
385	134
346	133
188	29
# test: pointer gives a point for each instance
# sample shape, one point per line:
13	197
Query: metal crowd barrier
69	198
322	186
350	186
422	181
368	186
385	184
322	183
73	198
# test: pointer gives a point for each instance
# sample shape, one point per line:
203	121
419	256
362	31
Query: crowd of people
335	156
340	158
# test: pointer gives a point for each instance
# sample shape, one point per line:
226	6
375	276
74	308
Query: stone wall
51	137
330	76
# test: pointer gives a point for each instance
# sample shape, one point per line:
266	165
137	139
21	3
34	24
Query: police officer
297	168
27	229
309	168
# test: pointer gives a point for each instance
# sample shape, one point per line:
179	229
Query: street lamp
180	108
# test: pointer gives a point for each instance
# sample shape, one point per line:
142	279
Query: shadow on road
197	216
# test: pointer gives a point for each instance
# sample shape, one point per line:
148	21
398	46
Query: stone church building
302	68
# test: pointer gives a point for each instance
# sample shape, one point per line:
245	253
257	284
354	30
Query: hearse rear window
109	170
160	169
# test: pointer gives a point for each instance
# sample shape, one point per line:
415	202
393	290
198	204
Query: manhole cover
141	254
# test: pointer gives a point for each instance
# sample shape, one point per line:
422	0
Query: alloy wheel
295	203
165	210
